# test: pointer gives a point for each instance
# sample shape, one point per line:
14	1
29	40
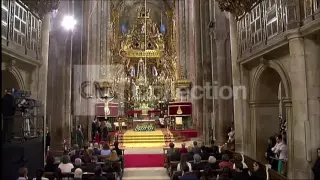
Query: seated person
77	164
114	162
117	149
78	174
190	153
203	147
212	163
183	149
197	165
86	158
239	173
238	158
226	174
50	166
114	156
207	174
74	154
170	150
175	156
39	175
90	167
214	149
98	174
184	162
204	154
187	174
225	162
23	174
257	174
196	149
58	174
106	150
96	150
65	164
85	149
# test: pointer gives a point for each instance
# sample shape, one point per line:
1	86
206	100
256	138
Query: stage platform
157	138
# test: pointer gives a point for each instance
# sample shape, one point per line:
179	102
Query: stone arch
279	69
11	78
265	105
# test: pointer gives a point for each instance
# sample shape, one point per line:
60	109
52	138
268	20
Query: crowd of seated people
93	162
207	163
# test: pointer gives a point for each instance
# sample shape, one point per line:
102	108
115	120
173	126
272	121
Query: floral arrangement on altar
144	127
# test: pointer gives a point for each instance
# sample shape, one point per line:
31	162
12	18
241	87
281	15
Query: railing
265	21
311	7
20	29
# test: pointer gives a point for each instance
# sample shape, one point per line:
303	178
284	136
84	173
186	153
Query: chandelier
237	7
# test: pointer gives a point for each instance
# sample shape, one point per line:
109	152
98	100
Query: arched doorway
9	81
270	88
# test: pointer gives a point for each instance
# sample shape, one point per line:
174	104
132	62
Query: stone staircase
148	139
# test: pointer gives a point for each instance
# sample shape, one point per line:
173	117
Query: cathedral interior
141	75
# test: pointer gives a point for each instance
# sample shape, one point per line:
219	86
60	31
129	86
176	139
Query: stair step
145	136
142	141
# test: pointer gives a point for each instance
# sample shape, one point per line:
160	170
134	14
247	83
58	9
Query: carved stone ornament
41	7
237	7
264	61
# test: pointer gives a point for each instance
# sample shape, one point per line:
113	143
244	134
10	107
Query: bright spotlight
69	22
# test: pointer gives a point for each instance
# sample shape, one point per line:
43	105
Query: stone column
191	54
236	79
300	168
43	70
206	62
57	80
199	67
312	54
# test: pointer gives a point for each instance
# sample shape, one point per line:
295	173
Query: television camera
26	105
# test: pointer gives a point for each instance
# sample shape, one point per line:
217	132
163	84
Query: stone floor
145	173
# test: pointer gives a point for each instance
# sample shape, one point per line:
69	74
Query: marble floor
145	173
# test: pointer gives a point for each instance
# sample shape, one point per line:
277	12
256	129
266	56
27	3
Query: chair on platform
120	125
179	123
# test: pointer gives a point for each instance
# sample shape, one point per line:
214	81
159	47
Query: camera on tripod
23	100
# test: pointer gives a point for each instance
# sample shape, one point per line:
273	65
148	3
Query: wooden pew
85	175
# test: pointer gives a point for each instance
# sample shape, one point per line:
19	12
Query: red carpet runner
143	160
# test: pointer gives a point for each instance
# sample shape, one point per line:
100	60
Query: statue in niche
140	69
132	71
154	28
143	28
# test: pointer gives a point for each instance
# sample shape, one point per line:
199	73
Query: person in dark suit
316	166
48	139
8	112
98	174
80	137
94	128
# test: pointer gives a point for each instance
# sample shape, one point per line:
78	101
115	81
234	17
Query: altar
137	122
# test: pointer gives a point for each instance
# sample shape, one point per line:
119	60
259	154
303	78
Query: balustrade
269	19
311	7
20	29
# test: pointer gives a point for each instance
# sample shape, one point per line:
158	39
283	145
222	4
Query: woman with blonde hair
114	156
